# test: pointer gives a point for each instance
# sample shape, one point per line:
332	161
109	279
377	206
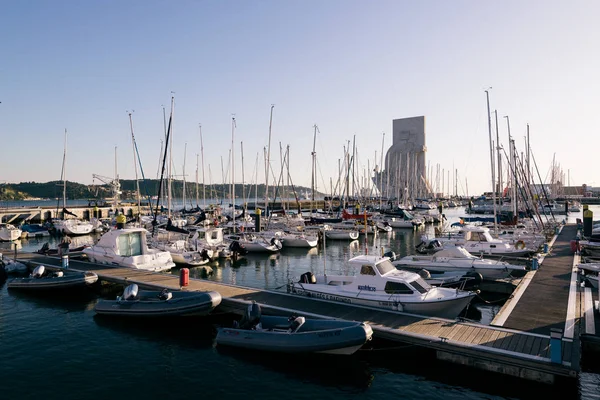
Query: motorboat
181	253
457	259
165	303
128	247
33	231
12	266
254	243
295	334
341	232
43	278
9	232
73	226
380	284
297	239
478	240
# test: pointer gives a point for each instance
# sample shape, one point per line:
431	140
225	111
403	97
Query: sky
348	66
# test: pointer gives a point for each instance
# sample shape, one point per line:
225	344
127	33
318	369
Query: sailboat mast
267	162
64	173
137	182
312	177
233	171
184	157
115	183
170	171
203	184
487	95
243	178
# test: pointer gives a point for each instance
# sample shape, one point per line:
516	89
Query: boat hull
148	305
444	308
68	281
315	336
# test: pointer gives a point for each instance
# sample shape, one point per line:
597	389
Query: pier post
257	220
588	216
556	345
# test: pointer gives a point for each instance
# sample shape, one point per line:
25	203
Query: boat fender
425	274
520	245
130	292
165	295
58	274
38	272
296	324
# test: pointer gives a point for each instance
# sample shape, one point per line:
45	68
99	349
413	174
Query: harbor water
56	348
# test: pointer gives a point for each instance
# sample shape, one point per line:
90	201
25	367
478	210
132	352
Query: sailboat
71	226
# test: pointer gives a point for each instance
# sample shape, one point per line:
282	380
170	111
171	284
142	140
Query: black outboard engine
308	277
165	294
392	256
252	316
295	323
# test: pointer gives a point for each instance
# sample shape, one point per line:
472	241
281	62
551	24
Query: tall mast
203	184
487	95
314	165
243	180
379	175
170	172
197	166
184	159
513	180
65	173
233	171
498	148
137	182
115	188
267	160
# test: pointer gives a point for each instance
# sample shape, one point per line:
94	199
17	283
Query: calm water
55	348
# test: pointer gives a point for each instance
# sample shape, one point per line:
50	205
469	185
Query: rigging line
543	187
162	174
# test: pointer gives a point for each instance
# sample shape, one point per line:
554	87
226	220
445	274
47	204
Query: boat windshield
420	285
385	266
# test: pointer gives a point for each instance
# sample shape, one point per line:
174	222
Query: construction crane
114	184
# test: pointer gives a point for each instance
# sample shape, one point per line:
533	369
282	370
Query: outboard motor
165	295
252	316
392	256
38	272
237	248
130	292
295	323
308	277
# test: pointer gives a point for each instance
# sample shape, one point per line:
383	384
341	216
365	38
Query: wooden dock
512	352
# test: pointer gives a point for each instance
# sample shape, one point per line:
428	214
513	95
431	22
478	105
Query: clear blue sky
349	66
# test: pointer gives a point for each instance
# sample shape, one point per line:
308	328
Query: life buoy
520	245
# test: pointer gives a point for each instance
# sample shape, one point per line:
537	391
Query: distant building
403	174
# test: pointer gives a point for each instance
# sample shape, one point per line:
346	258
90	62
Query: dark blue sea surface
54	347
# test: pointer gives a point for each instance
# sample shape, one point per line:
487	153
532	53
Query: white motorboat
380	284
298	240
341	231
457	259
255	243
9	232
73	226
181	253
478	240
129	248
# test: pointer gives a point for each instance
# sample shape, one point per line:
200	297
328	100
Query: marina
506	346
